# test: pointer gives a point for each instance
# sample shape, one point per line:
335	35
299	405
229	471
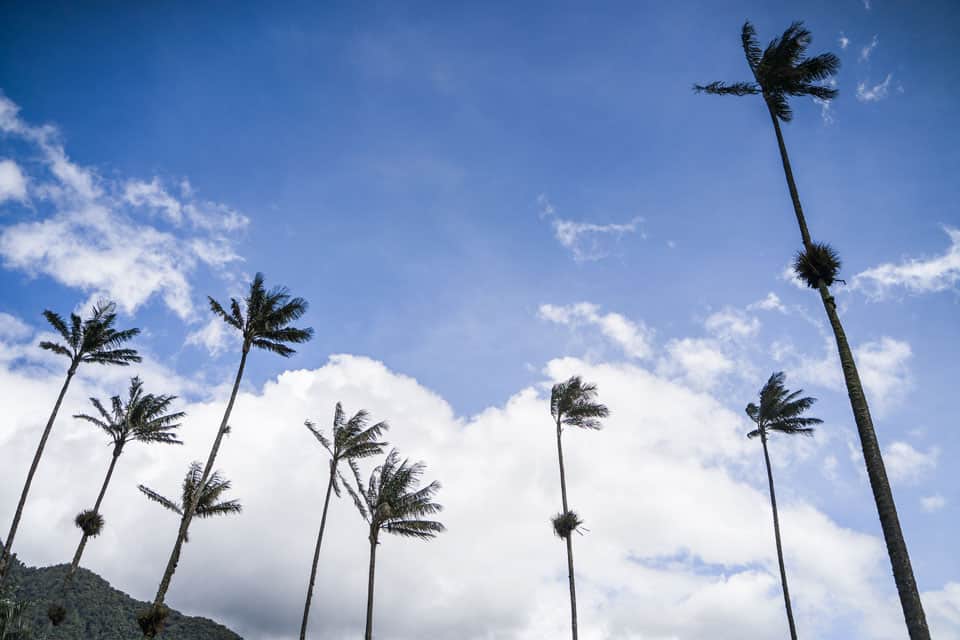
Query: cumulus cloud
732	324
874	93
13	184
908	465
634	338
915	275
843	40
691	559
587	241
770	303
93	235
699	362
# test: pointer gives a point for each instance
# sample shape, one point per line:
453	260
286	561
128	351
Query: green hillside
97	611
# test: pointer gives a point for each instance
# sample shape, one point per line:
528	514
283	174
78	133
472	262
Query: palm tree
572	404
392	503
208	502
352	440
780	72
144	417
204	496
780	411
93	339
263	322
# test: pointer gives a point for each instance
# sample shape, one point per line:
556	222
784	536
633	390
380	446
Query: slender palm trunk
368	633
569	538
316	554
192	507
886	508
776	534
96	509
8	543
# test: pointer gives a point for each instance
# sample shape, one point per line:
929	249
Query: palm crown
93	339
573	403
143	417
209	503
264	318
391	501
781	70
781	410
353	439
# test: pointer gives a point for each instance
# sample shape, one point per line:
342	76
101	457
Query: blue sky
430	176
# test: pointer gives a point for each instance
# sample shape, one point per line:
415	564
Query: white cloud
867	50
867	5
732	324
13	184
916	275
587	241
843	40
883	366
94	237
874	93
634	338
769	303
13	328
884	370
698	362
906	464
933	503
215	336
692	559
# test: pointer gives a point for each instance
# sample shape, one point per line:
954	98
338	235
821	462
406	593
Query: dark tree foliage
95	610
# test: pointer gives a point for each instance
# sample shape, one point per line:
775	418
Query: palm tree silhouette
93	339
208	499
780	72
391	502
144	417
353	440
780	411
204	496
263	321
572	403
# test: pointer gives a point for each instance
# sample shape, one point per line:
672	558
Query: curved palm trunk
8	543
886	508
96	509
776	533
563	494
192	507
368	633
316	555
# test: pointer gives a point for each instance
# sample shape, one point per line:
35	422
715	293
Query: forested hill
97	611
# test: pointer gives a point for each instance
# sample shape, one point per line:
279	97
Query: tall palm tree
780	411
353	440
780	72
204	497
144	417
391	502
572	404
263	321
93	339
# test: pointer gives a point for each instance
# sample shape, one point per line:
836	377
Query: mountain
97	611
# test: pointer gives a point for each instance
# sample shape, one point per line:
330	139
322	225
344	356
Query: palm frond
751	46
781	410
229	318
720	88
59	349
57	322
166	503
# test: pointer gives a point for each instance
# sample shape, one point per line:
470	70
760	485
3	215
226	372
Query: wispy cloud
99	234
867	50
843	40
875	93
867	5
915	275
634	338
933	503
587	241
